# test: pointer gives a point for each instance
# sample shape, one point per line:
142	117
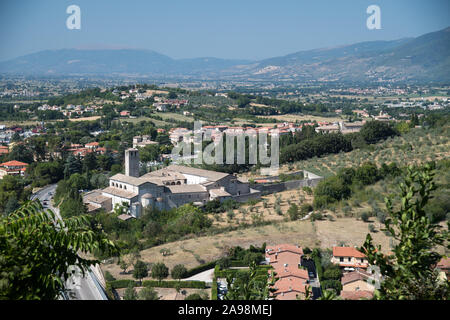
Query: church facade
166	188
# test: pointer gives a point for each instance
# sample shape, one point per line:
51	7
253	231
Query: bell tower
132	162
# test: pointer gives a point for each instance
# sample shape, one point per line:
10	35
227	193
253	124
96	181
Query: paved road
206	276
313	277
79	287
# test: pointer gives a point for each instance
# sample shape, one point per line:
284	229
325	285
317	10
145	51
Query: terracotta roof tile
356	295
347	252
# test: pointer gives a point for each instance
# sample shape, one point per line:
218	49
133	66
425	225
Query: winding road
78	287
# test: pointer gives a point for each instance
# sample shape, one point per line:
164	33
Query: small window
349	259
341	259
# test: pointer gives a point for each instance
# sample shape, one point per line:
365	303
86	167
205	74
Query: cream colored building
169	187
349	258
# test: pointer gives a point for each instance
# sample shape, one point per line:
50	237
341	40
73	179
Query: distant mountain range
412	59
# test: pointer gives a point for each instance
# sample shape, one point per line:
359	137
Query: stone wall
268	188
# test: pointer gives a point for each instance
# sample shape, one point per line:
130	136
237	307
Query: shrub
293	212
316	216
365	216
148	293
371	228
252	257
332	274
109	277
321	202
179	271
214	289
308	190
306	208
130	293
223	262
381	216
331	284
194	296
123	283
160	271
333	188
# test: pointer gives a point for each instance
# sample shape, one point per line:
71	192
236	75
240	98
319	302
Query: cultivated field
417	146
265	210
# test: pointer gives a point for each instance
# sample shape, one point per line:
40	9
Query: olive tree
409	272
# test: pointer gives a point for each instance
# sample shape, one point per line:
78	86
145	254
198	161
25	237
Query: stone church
164	189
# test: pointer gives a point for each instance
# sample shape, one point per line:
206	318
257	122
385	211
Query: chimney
132	163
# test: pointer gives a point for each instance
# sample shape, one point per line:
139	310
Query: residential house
349	258
358	280
4	150
356	295
12	168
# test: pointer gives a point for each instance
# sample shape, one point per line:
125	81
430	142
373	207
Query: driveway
205	276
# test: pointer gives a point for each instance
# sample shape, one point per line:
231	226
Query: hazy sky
247	29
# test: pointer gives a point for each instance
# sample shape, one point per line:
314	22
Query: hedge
238	263
214	289
118	284
200	268
261	271
124	283
174	284
333	284
317	263
109	291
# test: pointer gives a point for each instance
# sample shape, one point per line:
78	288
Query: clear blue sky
248	29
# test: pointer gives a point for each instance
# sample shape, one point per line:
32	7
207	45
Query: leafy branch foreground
409	272
37	251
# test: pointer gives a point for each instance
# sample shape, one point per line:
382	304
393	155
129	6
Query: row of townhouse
214	132
286	260
293	279
6	134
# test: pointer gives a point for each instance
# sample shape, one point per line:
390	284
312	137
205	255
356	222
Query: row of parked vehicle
222	289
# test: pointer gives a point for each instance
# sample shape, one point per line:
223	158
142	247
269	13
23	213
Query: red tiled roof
291	271
347	252
356	295
290	284
354	276
284	247
13	163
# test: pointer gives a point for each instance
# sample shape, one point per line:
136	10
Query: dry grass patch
209	248
265	209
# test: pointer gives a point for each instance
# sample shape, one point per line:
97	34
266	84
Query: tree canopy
37	251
